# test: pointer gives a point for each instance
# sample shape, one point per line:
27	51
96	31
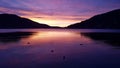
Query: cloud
60	7
72	10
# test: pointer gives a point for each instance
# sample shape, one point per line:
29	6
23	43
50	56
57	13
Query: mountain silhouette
13	21
109	20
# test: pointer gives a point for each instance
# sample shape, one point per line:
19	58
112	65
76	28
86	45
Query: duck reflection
109	38
14	36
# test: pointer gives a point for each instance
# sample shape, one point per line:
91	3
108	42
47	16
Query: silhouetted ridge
109	20
14	21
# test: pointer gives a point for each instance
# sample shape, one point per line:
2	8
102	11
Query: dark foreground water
59	48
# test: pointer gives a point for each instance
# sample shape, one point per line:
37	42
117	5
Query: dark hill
109	20
13	21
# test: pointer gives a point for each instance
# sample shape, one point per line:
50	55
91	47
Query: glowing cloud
57	12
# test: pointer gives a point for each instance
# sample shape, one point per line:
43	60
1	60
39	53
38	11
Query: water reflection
58	49
14	36
109	38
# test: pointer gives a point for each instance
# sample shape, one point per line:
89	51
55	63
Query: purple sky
58	12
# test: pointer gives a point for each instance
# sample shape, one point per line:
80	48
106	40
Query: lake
59	48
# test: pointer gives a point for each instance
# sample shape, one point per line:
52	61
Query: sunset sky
58	12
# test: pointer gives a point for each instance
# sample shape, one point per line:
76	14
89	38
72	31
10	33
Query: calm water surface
59	48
